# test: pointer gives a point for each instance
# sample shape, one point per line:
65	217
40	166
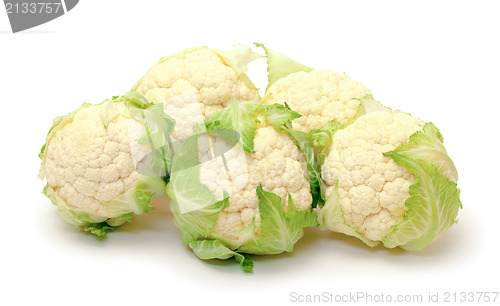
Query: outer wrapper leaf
434	199
331	217
215	249
185	186
280	65
279	231
280	116
427	145
305	142
432	207
197	224
136	200
239	117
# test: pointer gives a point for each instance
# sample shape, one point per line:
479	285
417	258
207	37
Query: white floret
277	164
186	111
372	188
320	96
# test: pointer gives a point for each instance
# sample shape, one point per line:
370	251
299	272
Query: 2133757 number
33	8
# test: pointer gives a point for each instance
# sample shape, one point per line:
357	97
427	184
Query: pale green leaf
432	206
279	231
331	217
427	145
215	249
280	65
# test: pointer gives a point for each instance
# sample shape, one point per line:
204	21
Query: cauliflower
195	83
100	165
242	187
389	178
320	96
277	164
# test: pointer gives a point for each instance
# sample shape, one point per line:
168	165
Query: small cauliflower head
195	83
240	186
90	161
321	96
388	178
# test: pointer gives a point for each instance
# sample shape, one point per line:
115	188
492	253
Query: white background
438	60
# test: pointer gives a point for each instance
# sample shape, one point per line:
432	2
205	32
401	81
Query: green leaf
42	151
279	231
104	112
367	105
432	206
144	200
197	224
215	249
331	217
185	186
239	117
158	129
279	115
305	142
134	99
124	218
434	199
427	145
193	205
137	198
280	65
246	236
98	229
64	210
323	137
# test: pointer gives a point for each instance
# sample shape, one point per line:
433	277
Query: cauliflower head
388	178
320	96
241	187
195	83
92	162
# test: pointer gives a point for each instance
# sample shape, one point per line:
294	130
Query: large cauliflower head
90	161
209	78
388	178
